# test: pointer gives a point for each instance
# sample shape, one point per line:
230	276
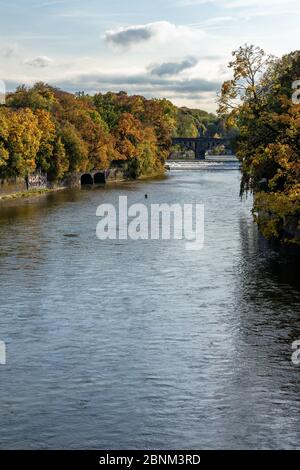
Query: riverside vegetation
44	128
259	102
58	133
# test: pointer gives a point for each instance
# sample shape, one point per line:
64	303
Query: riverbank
71	183
278	219
30	193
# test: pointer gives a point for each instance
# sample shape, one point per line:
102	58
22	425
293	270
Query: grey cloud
173	68
131	35
195	90
195	85
145	84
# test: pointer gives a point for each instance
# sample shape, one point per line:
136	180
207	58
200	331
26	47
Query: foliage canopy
258	101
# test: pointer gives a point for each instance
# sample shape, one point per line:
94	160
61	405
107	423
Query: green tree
76	149
48	133
59	163
40	96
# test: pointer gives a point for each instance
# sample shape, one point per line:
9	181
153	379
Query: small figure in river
146	196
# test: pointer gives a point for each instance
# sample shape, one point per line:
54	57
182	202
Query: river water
143	344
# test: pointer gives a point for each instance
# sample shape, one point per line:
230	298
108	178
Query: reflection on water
142	344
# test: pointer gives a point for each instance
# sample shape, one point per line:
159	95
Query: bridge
93	177
200	145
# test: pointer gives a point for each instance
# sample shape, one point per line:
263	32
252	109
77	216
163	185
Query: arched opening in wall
99	178
182	152
86	179
217	149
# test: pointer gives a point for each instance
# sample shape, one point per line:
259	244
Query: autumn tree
247	86
162	115
259	102
48	129
4	134
23	141
128	135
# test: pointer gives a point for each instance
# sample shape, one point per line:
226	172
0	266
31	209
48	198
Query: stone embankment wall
12	185
17	185
115	174
38	181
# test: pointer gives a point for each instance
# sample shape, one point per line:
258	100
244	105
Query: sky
177	49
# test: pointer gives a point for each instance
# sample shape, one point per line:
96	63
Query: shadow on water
33	206
266	322
269	293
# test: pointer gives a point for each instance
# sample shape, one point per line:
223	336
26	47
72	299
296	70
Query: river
143	344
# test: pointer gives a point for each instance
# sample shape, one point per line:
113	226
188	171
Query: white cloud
39	62
208	32
215	22
250	8
241	3
10	52
163	31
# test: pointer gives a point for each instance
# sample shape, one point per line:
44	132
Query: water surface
142	344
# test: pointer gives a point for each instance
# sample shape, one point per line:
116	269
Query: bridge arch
200	144
192	143
86	179
99	177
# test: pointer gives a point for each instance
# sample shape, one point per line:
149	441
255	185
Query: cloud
239	3
213	57
49	4
39	62
128	36
10	52
162	30
255	3
200	91
216	22
142	83
173	68
251	8
195	85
